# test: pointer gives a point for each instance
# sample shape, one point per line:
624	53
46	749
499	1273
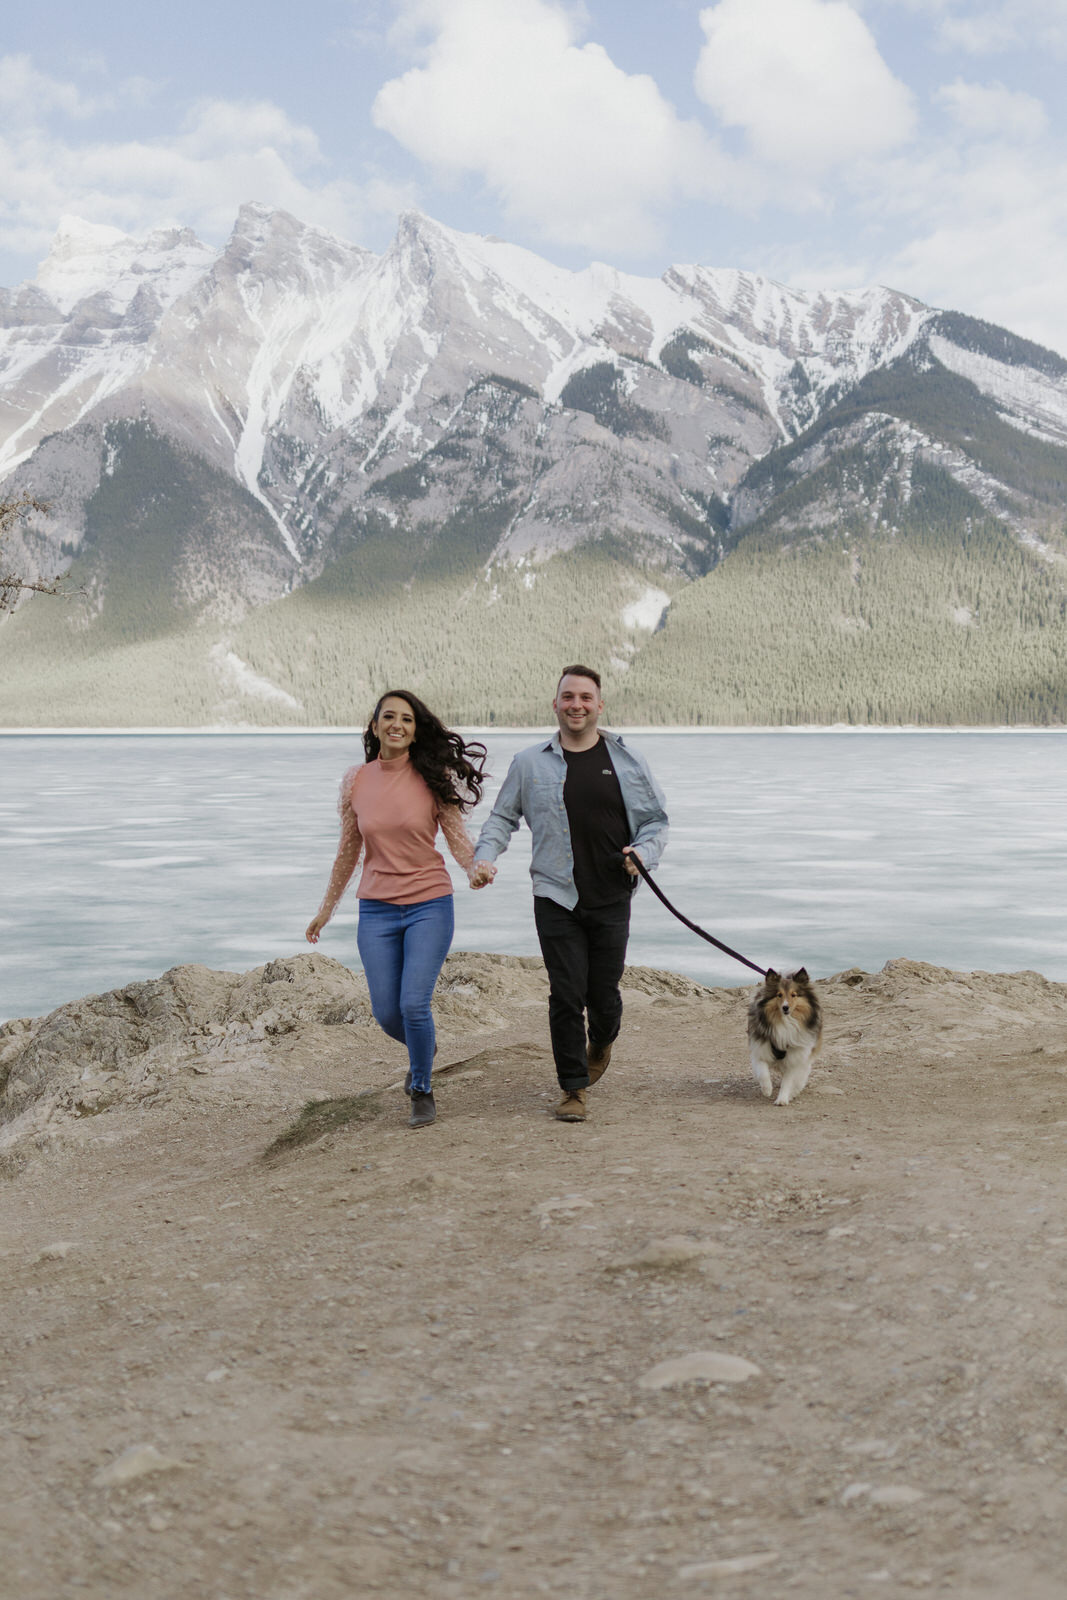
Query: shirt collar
609	738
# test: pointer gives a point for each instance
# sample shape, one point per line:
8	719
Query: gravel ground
446	1363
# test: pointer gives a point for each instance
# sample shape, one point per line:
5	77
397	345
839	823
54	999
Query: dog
784	1031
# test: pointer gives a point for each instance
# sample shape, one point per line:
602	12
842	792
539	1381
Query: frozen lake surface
123	855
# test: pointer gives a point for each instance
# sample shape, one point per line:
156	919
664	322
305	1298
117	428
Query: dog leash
658	892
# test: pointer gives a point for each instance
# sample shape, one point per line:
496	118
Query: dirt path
412	1364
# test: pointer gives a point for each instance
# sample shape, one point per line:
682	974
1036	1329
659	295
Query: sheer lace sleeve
348	850
460	843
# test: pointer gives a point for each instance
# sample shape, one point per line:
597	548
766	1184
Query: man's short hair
578	671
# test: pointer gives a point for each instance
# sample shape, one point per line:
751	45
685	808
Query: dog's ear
770	977
801	975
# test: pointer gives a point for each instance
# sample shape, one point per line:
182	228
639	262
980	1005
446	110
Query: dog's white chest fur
789	1034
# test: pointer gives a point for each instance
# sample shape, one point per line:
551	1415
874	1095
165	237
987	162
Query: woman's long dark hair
452	771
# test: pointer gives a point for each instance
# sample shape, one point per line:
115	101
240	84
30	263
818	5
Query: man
590	803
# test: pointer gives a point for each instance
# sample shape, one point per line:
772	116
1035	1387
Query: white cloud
223	154
1014	278
585	153
992	111
989	27
221	127
985	29
974	225
970	214
805	81
25	93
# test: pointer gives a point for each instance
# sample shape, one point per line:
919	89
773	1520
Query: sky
920	144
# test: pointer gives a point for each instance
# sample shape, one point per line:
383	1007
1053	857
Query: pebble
216	1375
435	1185
887	1494
826	1088
660	1254
58	1251
136	1462
895	1494
565	1203
729	1565
711	1365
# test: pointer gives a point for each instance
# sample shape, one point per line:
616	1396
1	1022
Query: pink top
387	808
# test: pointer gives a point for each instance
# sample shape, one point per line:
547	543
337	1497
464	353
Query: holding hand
480	874
628	851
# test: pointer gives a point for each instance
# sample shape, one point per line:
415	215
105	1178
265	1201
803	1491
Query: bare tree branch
11	584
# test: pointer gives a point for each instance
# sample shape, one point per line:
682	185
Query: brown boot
572	1107
598	1057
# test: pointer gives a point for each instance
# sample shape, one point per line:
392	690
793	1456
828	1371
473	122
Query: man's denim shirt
533	789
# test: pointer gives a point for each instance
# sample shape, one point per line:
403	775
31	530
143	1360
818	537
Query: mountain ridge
465	416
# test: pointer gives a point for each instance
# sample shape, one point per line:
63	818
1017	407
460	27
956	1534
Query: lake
124	854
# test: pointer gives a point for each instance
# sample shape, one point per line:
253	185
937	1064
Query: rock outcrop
194	1031
106	1049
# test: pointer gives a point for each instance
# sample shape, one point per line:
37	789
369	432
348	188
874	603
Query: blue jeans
403	949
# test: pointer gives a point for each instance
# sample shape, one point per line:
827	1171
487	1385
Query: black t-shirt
598	825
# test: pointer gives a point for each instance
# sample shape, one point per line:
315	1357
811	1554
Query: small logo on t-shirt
605	772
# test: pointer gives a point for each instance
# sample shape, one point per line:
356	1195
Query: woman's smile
395	727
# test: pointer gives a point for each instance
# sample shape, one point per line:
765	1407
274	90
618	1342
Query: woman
418	777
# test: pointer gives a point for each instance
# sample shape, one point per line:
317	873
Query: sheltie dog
784	1032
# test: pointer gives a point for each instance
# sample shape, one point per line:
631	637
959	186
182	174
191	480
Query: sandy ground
417	1363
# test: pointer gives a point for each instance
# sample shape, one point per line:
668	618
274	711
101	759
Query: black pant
585	952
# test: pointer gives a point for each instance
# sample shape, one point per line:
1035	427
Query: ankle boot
598	1056
423	1110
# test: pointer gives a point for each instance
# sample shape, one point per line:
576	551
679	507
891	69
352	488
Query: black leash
658	892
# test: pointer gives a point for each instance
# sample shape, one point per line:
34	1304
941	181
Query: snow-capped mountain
295	362
242	421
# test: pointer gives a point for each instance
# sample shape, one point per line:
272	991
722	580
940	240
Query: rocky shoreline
148	1042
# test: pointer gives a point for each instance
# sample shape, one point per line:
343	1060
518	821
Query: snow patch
100	375
647	610
88	258
397	423
1038	403
239	678
1022	426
